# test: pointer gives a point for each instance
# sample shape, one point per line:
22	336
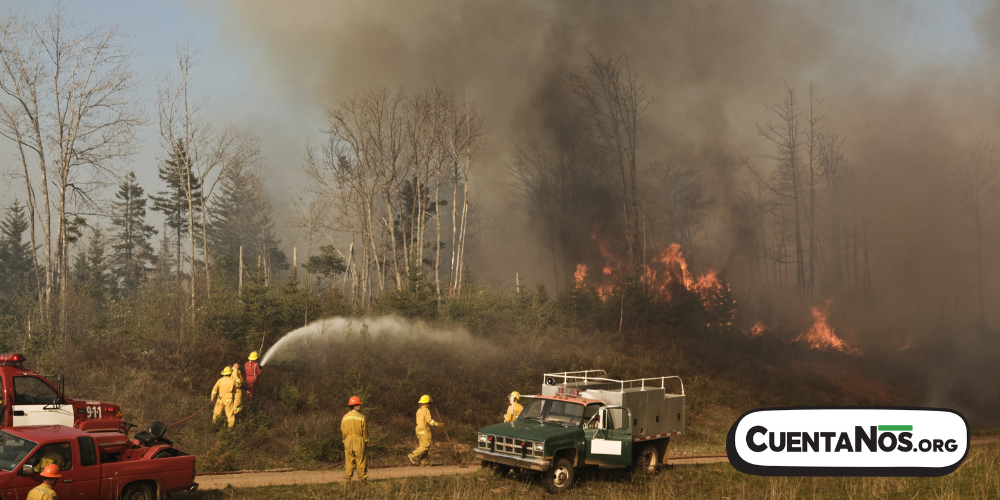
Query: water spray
339	327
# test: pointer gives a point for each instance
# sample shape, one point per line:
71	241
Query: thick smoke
903	110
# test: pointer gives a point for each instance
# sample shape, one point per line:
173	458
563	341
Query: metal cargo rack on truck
656	413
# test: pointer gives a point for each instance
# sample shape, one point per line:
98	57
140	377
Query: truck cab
586	419
94	465
29	398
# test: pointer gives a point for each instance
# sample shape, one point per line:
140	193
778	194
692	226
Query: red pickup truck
95	465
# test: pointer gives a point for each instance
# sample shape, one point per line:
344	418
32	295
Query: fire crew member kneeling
424	423
225	389
45	491
515	408
355	432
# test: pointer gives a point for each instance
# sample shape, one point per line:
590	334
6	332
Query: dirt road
271	478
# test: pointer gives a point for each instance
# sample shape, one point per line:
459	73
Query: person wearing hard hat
238	392
225	390
515	407
252	370
45	490
424	423
355	431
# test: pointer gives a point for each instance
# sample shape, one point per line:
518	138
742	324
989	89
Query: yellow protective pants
354	458
420	454
227	408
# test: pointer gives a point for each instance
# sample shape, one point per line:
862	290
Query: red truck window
88	455
34	391
13	449
58	453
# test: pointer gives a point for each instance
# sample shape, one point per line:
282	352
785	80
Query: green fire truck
585	419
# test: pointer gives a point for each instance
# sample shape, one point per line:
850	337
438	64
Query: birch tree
68	108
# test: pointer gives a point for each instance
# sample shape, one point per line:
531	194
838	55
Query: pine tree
132	250
91	265
173	203
241	216
15	255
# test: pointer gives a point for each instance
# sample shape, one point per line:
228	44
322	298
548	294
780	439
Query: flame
580	276
758	329
664	272
821	336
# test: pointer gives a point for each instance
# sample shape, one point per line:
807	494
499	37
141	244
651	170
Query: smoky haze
903	107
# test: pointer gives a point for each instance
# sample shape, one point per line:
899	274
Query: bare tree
205	155
69	107
974	187
615	102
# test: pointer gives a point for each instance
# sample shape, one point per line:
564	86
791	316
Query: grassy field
978	477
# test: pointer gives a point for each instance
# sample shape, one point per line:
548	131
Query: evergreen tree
91	268
173	203
241	216
327	263
132	250
15	255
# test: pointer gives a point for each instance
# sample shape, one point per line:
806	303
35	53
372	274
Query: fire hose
210	403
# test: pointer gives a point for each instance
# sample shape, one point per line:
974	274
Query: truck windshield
34	391
13	449
560	412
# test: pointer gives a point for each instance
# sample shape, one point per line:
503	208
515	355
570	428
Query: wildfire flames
757	329
665	272
821	336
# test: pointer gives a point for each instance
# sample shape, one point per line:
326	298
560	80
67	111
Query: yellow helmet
253	356
425	399
516	395
227	371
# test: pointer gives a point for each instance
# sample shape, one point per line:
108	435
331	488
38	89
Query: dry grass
978	478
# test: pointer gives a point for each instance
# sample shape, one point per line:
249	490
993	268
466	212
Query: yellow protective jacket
424	419
238	389
225	389
42	492
354	426
513	411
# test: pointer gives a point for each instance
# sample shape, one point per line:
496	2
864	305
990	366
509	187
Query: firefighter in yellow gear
224	394
355	431
515	407
45	491
424	423
53	454
238	382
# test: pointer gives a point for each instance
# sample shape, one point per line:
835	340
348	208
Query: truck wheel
560	477
648	460
138	491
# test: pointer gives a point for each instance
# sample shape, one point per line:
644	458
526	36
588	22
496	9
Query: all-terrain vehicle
586	419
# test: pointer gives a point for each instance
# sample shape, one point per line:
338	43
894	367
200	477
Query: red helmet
354	401
51	470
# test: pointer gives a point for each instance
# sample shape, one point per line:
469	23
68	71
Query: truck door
37	403
609	437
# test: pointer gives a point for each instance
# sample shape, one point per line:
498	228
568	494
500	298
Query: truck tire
560	477
647	461
138	491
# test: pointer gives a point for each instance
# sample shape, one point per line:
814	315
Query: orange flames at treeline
669	270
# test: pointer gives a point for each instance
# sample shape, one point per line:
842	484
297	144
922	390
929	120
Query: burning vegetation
820	335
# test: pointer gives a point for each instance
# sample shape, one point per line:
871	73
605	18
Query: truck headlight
539	446
482	438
